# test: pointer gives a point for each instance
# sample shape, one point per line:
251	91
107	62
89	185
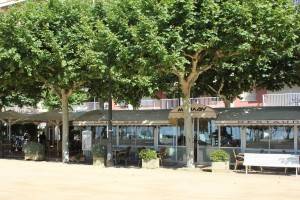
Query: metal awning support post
243	139
9	130
295	138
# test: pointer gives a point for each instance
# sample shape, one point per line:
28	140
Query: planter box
99	161
34	157
151	164
220	166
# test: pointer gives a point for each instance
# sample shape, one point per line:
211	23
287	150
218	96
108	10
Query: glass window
145	135
127	135
101	133
282	137
230	136
167	135
257	137
203	136
213	130
298	146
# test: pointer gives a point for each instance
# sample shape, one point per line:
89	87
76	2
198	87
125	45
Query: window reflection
167	135
280	137
202	131
145	136
230	136
180	136
127	135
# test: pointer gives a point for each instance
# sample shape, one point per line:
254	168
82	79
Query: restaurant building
263	129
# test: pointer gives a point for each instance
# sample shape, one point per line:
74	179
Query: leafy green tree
187	38
16	89
54	43
52	102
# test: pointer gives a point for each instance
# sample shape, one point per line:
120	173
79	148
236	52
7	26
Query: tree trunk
189	137
101	104
226	103
65	120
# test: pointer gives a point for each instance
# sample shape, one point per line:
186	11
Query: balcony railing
285	99
152	104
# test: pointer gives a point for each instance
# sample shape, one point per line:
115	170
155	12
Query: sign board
272	160
197	111
87	140
259	122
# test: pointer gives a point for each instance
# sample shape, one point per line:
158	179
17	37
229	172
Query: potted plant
34	151
99	153
220	161
149	159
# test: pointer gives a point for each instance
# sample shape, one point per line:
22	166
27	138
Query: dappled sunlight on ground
50	180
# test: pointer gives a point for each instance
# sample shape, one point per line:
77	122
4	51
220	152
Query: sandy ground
48	180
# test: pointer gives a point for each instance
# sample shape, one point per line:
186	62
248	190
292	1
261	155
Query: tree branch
221	86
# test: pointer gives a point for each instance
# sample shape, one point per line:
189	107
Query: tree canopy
53	43
188	38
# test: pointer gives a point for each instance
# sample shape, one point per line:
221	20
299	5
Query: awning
12	116
197	111
259	116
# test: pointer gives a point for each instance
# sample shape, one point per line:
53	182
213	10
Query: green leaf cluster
99	150
219	156
147	154
34	148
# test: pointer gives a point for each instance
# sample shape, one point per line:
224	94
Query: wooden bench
272	160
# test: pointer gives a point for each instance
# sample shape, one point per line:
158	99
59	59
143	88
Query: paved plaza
54	181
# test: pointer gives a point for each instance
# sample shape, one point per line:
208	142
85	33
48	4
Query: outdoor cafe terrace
259	129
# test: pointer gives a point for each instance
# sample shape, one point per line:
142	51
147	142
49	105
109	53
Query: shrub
147	154
99	150
34	148
219	156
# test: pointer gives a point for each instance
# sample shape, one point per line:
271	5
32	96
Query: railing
173	103
25	109
152	104
87	106
4	3
285	99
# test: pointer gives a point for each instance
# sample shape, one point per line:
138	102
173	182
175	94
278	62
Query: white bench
271	160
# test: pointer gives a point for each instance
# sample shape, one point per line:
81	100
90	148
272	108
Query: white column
243	139
9	130
117	135
156	137
295	138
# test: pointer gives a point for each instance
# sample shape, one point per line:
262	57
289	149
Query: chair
124	155
162	154
239	159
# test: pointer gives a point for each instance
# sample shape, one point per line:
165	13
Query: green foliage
99	150
53	43
147	154
219	156
52	102
229	37
34	148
